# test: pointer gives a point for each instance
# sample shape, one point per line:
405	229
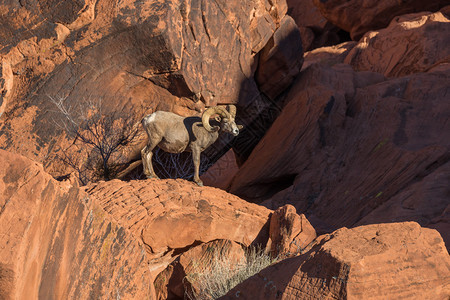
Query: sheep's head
225	116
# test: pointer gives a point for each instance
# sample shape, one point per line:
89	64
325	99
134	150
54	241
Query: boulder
120	235
222	172
410	44
180	277
306	14
177	217
171	216
316	31
328	56
382	261
347	142
280	60
425	202
359	17
289	233
56	243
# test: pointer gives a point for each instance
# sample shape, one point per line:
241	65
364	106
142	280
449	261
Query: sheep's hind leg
147	154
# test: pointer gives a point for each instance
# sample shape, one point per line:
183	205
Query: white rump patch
151	118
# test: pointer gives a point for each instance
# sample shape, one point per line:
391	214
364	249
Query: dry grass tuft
215	278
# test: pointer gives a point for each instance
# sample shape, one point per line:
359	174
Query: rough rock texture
127	53
57	244
222	172
347	142
111	239
316	31
383	261
179	277
359	16
328	56
410	44
280	60
172	215
289	233
413	204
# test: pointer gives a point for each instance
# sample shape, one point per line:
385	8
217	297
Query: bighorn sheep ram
175	134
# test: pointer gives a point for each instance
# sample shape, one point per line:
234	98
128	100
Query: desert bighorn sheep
175	134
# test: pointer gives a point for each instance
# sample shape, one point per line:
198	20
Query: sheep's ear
217	118
240	127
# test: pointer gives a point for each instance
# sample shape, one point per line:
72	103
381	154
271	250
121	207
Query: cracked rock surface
162	55
56	243
380	261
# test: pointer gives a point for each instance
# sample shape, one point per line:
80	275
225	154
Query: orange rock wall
382	261
58	244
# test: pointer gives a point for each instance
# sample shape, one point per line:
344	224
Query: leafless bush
215	278
100	137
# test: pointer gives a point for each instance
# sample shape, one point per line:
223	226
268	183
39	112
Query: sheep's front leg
146	154
196	159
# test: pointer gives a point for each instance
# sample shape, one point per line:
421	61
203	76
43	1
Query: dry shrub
101	137
214	279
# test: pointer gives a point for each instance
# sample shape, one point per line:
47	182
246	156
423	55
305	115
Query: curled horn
232	110
211	111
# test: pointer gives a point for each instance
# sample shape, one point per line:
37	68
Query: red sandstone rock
157	54
172	215
410	44
280	60
56	243
315	30
383	261
157	40
328	56
347	142
221	173
359	17
306	14
179	277
307	36
289	233
425	201
121	234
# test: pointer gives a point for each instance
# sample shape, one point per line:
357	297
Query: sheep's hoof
152	176
199	183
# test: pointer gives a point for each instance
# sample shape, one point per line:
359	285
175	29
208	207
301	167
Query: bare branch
99	137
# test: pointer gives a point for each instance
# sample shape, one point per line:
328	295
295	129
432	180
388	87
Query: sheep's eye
226	120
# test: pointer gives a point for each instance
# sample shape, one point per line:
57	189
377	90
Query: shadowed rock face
358	148
316	31
389	261
347	142
411	43
58	244
280	60
359	17
133	53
